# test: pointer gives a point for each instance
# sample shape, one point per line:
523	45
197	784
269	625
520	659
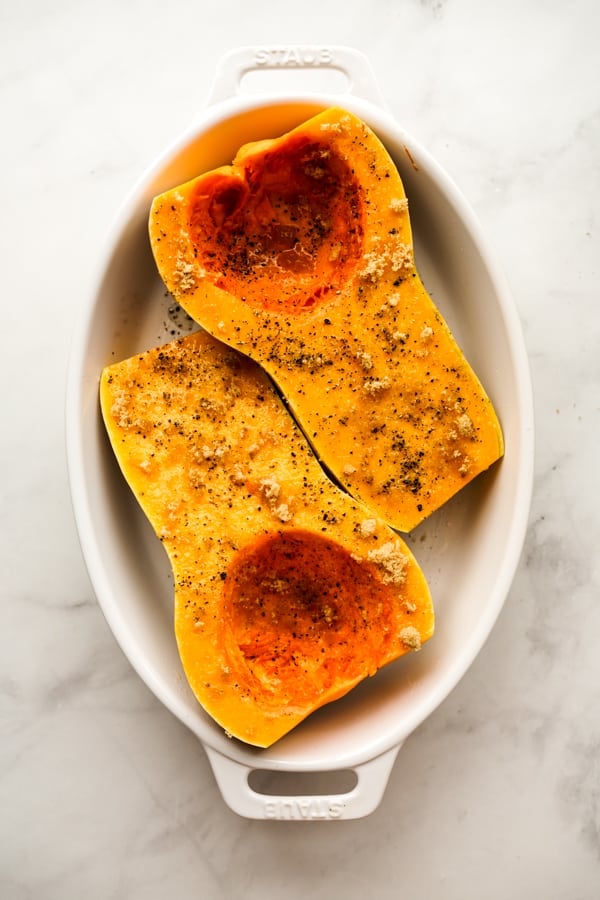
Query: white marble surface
103	794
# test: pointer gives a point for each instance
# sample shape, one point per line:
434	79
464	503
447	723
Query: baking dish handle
302	66
363	799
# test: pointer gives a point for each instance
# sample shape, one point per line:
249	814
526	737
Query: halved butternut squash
300	255
287	592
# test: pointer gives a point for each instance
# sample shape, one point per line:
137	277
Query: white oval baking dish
469	549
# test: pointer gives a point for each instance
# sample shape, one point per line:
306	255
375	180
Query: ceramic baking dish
469	549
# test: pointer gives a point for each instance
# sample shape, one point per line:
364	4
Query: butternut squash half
300	255
287	592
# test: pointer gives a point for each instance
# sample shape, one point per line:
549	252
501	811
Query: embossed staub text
293	56
299	808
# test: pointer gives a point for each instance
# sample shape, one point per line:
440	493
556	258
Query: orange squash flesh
287	592
300	255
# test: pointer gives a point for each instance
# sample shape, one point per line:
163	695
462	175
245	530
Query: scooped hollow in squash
287	592
300	255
